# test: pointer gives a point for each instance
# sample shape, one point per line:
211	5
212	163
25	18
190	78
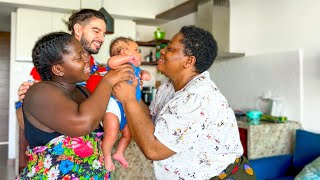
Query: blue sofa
286	167
275	167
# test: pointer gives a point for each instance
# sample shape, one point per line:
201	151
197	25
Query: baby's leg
122	146
111	129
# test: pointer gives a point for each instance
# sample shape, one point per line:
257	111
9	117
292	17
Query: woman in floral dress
61	119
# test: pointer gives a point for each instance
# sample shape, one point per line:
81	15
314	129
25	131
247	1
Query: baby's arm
145	75
115	62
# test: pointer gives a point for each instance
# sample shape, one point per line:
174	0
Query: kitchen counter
268	139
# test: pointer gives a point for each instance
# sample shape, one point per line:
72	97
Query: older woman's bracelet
18	104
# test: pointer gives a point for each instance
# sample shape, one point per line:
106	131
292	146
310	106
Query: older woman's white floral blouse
198	124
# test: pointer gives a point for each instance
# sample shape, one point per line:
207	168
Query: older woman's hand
123	73
125	91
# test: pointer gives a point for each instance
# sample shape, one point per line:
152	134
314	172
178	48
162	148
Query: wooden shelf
149	63
152	43
181	10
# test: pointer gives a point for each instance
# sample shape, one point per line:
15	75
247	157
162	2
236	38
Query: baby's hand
145	75
133	59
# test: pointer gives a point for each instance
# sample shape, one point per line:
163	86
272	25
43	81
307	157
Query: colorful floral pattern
67	158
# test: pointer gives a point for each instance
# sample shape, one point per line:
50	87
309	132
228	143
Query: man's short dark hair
83	16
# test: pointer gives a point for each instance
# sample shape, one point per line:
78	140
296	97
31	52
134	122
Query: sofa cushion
271	167
307	148
310	171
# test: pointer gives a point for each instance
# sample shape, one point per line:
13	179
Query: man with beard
89	27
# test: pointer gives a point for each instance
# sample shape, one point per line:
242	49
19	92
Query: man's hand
24	88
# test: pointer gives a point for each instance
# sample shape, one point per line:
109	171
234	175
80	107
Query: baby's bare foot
120	158
109	164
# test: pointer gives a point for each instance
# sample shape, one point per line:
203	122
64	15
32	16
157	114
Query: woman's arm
140	124
145	108
60	112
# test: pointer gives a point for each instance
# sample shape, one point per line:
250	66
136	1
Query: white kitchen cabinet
31	25
59	21
91	4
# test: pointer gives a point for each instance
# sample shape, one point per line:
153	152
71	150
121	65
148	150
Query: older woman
190	131
61	119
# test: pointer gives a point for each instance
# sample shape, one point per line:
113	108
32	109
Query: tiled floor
6	172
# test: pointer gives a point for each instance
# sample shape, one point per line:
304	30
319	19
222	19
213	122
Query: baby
122	50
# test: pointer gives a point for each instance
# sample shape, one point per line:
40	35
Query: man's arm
20	118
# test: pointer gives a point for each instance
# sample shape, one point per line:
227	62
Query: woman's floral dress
67	158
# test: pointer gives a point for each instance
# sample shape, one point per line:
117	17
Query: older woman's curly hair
49	51
201	44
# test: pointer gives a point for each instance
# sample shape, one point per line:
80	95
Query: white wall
278	25
174	26
244	80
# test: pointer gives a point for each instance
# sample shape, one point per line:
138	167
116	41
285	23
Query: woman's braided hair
48	51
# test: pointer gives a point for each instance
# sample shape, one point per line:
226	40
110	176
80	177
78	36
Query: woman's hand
23	88
125	91
124	73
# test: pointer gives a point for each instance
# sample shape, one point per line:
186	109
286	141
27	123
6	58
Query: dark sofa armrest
271	167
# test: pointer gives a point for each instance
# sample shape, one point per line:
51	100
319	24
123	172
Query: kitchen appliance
276	106
147	94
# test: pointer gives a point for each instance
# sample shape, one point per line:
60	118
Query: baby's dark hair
48	51
201	44
82	17
116	46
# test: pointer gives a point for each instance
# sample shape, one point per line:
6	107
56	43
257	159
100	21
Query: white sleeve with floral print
198	124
